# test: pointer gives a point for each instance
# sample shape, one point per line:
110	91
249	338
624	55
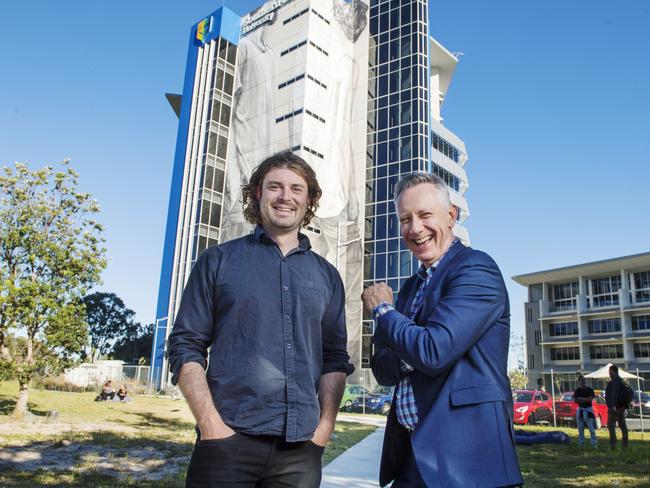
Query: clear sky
552	99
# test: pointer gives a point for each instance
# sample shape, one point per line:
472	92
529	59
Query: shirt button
287	316
285	288
289	345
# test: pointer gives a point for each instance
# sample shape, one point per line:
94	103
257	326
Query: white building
579	318
355	89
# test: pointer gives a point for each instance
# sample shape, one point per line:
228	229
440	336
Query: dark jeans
245	461
612	418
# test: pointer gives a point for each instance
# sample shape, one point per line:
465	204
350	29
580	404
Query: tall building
355	89
581	317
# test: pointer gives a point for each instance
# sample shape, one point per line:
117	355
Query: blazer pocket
477	394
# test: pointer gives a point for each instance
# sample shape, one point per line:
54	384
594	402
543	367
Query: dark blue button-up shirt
273	324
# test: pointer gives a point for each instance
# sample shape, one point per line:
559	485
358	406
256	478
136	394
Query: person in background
584	396
616	407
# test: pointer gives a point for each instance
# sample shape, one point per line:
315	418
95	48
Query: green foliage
518	379
109	321
50	255
135	347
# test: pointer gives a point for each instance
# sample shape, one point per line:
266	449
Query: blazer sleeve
474	299
385	366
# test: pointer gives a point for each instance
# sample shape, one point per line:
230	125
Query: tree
518	379
109	322
135	347
50	255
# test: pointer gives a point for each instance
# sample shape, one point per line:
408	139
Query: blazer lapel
439	271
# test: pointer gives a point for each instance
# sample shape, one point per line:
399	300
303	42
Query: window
641	322
538	337
294	17
293	48
565	354
289	115
642	286
604	291
452	181
313	44
563	329
531	361
291	81
642	350
317	117
444	147
564	296
321	17
319	83
604	326
613	351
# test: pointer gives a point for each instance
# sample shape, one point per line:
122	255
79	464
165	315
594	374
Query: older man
444	344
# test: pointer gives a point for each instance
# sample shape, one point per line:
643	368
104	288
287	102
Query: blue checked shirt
405	407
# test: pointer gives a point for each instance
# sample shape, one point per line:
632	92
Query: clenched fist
375	294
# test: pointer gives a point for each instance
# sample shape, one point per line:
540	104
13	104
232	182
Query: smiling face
283	199
426	222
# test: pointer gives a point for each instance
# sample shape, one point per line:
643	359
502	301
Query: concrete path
358	467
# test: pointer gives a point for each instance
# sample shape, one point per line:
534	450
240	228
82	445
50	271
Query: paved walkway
358	467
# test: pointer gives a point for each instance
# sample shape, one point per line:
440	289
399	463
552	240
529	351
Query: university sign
264	15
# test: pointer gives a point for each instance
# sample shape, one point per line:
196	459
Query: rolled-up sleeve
335	337
193	329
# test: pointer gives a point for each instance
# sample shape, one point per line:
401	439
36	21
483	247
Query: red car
565	409
532	406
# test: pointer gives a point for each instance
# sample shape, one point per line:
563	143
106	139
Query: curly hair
287	160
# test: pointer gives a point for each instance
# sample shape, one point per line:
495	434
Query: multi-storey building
581	317
355	89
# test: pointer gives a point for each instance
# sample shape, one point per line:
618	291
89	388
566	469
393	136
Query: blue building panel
221	23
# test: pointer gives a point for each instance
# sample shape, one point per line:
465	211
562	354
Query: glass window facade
604	291
446	148
613	351
208	213
642	286
398	135
642	350
641	322
604	326
560	329
565	354
564	296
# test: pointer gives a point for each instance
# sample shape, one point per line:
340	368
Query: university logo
202	29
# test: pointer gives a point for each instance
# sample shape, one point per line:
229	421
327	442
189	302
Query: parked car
377	401
565	409
532	406
350	394
640	404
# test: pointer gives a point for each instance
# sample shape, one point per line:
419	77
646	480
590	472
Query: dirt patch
145	462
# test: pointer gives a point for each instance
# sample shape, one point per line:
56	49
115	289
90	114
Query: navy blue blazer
458	345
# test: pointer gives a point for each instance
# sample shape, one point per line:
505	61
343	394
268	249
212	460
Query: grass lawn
143	443
553	465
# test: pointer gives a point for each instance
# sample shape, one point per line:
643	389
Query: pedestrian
271	314
584	397
444	344
617	403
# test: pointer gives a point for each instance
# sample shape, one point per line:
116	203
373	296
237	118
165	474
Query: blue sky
550	97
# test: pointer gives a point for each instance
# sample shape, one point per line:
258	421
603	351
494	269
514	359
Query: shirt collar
260	235
425	273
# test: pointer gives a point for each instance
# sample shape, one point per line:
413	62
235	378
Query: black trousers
244	461
409	474
612	419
